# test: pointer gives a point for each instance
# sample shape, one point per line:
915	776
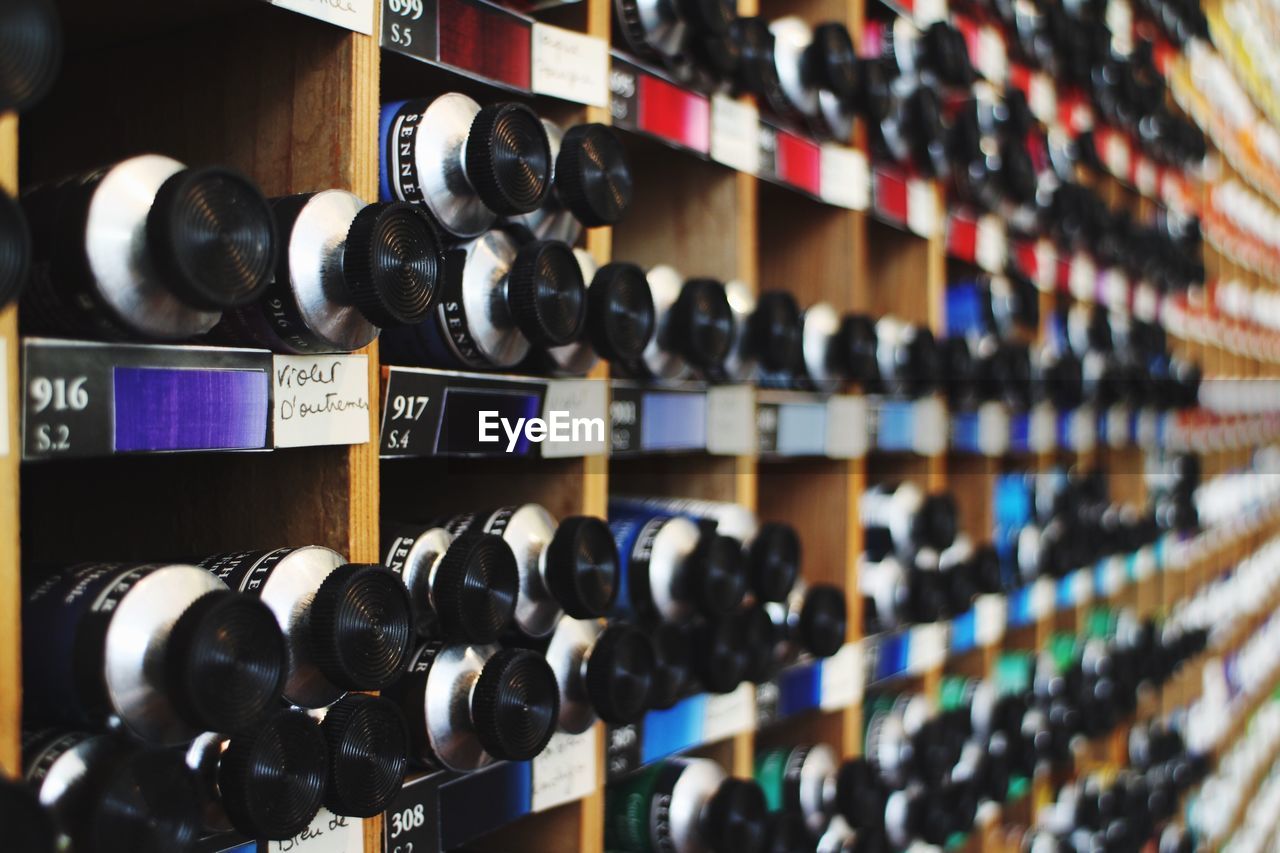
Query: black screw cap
393	264
30	52
720	660
620	312
592	177
29	826
717	580
361	626
15	249
832	60
702	323
773	561
672	664
582	567
508	158
546	293
225	662
734	818
272	780
620	674
148	804
515	704
823	620
211	237
368	741
774	331
759	638
474	593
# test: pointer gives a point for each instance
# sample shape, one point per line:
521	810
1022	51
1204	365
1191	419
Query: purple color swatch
161	408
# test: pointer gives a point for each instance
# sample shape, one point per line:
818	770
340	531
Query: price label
991	615
929	427
922	207
327	833
585	402
993	60
354	15
843	675
993	429
925	12
1116	154
991	245
1082	586
847	433
1042	98
729	714
735	131
569	65
731	420
1046	266
1042	429
846	181
1082	281
319	400
928	648
565	771
1044	596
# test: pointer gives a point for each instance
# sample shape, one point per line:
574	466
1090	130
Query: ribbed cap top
361	626
393	264
28	827
368	742
757	72
225	662
582	567
733	821
860	795
546	294
833	60
15	249
823	620
592	177
672	656
30	52
508	158
716	580
272	779
703	323
936	523
211	238
773	331
620	674
710	17
148	804
759	638
515	704
620	312
474	589
719	657
773	561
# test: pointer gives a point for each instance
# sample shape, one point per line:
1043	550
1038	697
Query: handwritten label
582	399
735	132
847	421
565	771
846	181
320	400
570	65
327	833
354	15
922	207
842	678
730	713
731	421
